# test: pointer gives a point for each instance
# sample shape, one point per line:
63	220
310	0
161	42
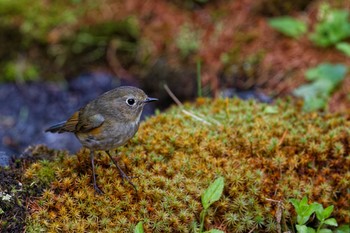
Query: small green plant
344	47
211	195
139	228
333	27
325	78
305	211
288	26
343	229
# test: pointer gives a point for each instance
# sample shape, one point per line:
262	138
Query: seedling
305	211
324	80
139	228
211	195
344	47
288	26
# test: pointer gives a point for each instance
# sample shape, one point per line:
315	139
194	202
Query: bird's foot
127	178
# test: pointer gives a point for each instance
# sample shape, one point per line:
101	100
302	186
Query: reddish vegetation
235	29
232	35
242	28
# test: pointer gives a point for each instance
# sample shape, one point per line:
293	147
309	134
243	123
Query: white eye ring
130	101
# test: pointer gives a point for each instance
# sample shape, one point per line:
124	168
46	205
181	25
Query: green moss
263	156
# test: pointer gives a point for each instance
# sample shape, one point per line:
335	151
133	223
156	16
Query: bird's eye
131	101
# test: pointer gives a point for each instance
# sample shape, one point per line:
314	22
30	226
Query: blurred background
55	56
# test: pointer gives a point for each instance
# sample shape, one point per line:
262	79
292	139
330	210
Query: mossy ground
264	153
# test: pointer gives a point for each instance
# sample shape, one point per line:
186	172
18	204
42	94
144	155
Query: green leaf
139	228
331	222
295	203
213	193
325	78
213	231
304	210
314	207
324	231
323	214
343	229
344	47
333	28
300	208
327	71
301	219
304	229
288	26
314	104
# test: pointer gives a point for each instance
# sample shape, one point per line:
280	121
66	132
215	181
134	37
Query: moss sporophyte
262	155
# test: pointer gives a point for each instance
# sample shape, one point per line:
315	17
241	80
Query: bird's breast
108	136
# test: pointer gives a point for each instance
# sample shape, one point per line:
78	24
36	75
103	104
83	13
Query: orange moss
261	155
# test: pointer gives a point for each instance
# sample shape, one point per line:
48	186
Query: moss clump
264	152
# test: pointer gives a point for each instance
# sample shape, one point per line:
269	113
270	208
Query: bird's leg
97	189
121	172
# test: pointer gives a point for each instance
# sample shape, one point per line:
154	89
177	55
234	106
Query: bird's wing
78	122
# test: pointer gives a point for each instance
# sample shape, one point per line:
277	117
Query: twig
176	100
195	117
283	137
191	114
252	229
272	200
279	213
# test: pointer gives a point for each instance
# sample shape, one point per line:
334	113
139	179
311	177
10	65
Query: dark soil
15	193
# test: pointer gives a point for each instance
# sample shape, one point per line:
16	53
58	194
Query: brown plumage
107	122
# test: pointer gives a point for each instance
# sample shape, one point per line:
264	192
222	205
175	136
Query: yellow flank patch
72	122
95	131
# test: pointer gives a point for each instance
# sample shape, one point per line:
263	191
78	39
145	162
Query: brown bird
107	122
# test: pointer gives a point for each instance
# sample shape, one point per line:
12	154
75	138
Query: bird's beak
149	99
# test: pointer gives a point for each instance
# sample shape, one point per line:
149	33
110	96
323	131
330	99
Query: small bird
107	122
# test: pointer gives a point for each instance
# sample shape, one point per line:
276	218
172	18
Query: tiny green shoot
211	195
288	26
139	228
305	211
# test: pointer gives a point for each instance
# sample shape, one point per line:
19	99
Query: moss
262	156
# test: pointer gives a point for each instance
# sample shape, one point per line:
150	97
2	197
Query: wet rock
4	159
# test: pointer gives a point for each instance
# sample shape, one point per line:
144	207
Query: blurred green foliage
19	71
188	40
324	80
56	38
333	27
344	47
36	19
288	26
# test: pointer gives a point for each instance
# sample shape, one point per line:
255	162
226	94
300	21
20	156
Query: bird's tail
57	128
